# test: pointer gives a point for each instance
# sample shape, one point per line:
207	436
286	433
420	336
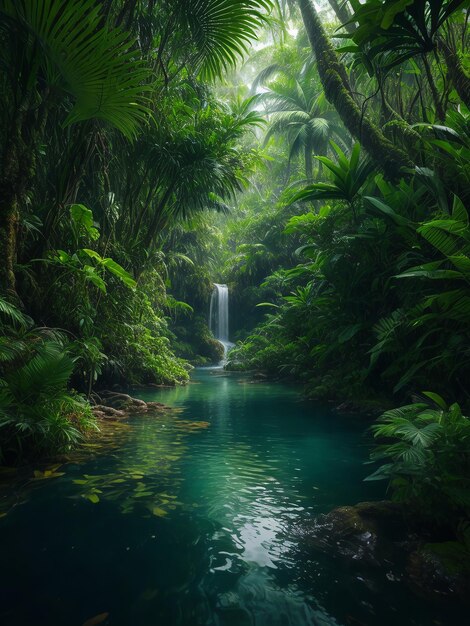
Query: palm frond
14	316
222	30
92	61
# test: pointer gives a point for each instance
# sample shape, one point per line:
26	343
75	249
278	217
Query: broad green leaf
387	211
159	512
82	216
92	276
392	11
435	397
120	272
77	51
93	254
459	212
348	333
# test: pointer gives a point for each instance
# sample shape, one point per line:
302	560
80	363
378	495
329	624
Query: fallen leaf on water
159	512
149	594
93	498
38	475
97	619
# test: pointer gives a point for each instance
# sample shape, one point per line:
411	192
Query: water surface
193	521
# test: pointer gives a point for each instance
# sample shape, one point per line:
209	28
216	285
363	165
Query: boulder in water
384	536
441	569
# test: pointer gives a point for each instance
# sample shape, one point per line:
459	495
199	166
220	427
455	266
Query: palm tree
188	161
300	111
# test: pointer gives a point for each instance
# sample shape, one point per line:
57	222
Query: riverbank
369	407
119	406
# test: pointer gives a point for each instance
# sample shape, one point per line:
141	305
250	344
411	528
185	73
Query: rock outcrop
385	535
113	405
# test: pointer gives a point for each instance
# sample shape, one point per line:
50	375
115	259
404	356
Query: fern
38	414
11	314
427	450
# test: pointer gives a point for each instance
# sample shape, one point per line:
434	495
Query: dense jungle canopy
312	156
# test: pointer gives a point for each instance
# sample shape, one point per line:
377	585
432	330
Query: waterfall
218	315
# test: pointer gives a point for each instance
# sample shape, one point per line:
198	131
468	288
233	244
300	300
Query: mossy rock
441	569
369	534
344	533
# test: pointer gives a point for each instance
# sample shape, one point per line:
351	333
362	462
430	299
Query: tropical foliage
38	415
112	141
428	459
313	156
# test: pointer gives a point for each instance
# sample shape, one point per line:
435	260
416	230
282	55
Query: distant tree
299	110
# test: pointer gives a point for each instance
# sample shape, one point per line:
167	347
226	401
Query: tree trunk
342	13
158	218
308	161
10	183
8	226
335	84
432	85
17	171
457	74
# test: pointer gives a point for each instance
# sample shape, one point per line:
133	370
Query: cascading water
218	316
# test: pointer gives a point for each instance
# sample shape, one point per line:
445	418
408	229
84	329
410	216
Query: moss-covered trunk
18	168
456	72
432	86
335	84
10	183
342	13
8	226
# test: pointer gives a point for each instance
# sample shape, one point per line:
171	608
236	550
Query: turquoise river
192	518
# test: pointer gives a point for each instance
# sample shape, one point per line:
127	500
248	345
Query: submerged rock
357	532
442	569
383	535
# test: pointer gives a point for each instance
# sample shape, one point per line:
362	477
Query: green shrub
427	449
261	352
196	343
38	415
135	337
